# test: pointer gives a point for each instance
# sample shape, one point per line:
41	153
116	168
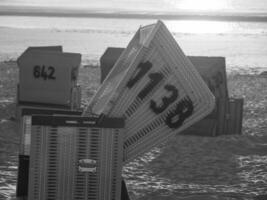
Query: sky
150	5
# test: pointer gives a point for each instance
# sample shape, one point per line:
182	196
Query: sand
188	167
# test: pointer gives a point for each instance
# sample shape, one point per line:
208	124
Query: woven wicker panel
75	158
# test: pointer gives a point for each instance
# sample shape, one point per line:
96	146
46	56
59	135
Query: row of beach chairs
69	152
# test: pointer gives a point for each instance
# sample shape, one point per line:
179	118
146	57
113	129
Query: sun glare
200	5
198	27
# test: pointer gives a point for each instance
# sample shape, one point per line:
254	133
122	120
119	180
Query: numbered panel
74	158
47	76
212	70
155	87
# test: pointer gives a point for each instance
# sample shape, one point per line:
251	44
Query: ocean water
242	43
149	5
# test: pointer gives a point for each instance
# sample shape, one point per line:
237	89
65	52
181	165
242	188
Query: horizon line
57	12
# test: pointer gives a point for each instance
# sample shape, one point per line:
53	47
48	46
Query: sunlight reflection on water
197	27
208	5
215	27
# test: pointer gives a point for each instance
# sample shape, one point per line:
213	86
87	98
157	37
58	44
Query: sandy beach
188	167
227	167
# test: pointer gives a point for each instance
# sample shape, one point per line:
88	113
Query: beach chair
235	116
82	138
226	118
25	143
75	158
48	78
155	88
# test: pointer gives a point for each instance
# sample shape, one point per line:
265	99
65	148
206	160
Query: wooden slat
234	122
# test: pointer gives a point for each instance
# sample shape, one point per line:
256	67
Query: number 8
183	110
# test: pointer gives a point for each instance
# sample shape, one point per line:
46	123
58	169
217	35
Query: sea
189	167
239	34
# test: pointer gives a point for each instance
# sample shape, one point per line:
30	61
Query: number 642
44	72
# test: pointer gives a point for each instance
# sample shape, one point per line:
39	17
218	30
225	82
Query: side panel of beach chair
76	97
25	141
26	123
155	87
213	72
73	105
235	117
108	59
23	176
75	158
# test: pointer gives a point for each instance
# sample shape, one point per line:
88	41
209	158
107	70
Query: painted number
182	111
155	79
47	73
166	101
140	71
184	107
